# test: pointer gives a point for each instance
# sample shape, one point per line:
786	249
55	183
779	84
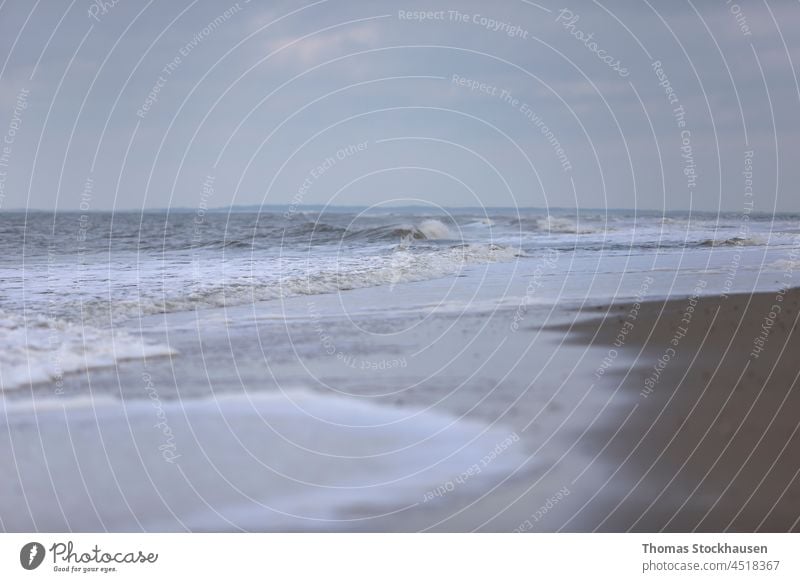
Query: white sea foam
785	265
434	229
294	277
563	225
480	222
39	349
256	462
158	263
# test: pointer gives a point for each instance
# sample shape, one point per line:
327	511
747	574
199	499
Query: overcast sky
140	104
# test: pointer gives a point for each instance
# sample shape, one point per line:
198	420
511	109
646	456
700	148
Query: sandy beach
713	442
316	414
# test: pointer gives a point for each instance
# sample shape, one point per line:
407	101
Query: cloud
310	49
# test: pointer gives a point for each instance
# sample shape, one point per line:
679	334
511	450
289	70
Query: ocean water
70	281
313	467
322	369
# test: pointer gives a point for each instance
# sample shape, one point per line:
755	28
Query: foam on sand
296	460
39	349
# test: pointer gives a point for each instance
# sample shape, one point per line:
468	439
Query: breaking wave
426	230
736	241
558	225
322	233
39	349
295	277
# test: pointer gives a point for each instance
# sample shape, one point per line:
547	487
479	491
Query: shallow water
68	278
418	337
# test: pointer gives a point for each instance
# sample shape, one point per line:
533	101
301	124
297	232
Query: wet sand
712	442
602	436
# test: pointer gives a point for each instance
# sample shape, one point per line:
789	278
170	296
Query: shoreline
712	443
588	450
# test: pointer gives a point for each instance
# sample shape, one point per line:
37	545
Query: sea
69	279
326	321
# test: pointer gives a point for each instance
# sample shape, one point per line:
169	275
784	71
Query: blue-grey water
296	368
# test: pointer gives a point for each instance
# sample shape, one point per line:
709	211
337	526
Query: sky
649	105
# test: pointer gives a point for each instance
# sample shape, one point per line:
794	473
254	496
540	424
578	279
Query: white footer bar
406	557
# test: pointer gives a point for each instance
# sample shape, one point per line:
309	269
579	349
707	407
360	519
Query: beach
356	271
713	442
417	373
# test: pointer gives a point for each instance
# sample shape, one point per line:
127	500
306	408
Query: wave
316	233
736	241
433	230
291	278
785	265
558	225
425	230
430	229
40	349
481	222
303	459
265	236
